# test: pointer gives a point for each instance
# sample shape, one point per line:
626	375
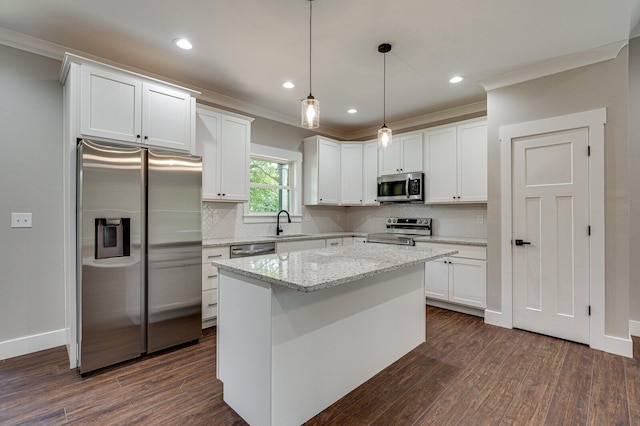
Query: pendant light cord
384	91
310	13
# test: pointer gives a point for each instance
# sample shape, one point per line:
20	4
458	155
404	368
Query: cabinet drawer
209	304
332	242
469	252
215	253
209	276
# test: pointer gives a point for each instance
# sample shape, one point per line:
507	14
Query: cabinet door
351	174
166	117
207	146
235	146
334	242
370	173
441	166
110	105
472	162
411	153
328	172
391	158
467	282
436	279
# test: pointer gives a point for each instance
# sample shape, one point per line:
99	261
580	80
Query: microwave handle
406	187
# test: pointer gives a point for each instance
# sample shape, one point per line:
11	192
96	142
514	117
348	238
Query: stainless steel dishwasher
245	250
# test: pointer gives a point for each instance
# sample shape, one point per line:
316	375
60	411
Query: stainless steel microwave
403	187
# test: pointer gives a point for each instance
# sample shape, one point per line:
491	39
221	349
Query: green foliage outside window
269	183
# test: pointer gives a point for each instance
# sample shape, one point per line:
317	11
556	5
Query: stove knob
389	220
419	221
395	220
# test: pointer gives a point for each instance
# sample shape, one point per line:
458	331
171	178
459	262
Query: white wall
595	86
634	183
32	289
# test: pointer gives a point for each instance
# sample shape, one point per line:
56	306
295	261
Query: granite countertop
219	242
312	270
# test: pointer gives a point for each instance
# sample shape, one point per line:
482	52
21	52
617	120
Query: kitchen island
298	331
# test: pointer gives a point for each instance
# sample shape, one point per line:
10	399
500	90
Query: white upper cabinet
370	173
321	175
110	105
351	174
224	142
403	156
455	163
117	105
166	117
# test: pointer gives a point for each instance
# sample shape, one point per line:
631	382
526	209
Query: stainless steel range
402	231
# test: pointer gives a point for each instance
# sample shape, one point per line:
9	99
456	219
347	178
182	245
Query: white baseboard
617	346
455	307
34	343
495	318
634	328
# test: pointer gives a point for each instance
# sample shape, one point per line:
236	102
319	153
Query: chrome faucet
278	229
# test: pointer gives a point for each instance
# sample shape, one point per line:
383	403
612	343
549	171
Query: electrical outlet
21	220
480	218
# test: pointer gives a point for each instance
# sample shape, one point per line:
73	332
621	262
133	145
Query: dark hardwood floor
467	373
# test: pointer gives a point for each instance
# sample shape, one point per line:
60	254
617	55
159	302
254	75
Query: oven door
400	188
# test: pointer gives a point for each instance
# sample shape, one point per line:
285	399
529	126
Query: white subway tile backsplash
225	220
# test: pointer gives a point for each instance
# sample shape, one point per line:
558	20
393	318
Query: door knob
522	243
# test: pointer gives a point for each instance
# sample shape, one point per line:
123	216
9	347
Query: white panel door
550	217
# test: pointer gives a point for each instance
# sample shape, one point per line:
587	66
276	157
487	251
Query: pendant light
384	134
310	106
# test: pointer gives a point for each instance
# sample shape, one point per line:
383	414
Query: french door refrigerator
139	252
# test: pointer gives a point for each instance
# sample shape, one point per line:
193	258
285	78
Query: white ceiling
244	49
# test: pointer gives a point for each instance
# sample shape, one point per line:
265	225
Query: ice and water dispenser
112	237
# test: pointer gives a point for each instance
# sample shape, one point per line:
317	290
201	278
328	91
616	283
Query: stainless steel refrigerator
139	252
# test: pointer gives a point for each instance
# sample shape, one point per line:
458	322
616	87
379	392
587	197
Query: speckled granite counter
312	270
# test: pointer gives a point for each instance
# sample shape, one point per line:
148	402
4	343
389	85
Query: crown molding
423	120
555	65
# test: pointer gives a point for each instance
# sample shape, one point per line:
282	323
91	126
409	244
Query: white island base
285	355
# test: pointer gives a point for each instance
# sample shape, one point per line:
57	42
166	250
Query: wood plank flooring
467	373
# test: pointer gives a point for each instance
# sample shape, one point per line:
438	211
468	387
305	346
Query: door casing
594	120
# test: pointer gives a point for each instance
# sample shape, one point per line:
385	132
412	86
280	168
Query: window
274	184
269	185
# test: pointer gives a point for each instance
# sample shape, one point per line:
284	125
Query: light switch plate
21	220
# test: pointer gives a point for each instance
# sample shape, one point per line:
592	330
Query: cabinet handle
211	304
146	137
458	197
213	276
334	244
219	194
214	255
224	195
137	136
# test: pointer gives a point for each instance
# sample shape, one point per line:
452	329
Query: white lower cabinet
333	242
210	283
359	240
460	279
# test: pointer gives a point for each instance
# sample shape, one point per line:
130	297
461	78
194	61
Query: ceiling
245	49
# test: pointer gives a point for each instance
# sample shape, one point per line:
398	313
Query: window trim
284	155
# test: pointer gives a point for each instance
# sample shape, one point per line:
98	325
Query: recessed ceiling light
456	79
183	43
288	85
352	110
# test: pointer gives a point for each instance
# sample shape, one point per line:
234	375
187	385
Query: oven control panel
422	225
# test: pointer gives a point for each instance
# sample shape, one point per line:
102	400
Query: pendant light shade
310	110
384	134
